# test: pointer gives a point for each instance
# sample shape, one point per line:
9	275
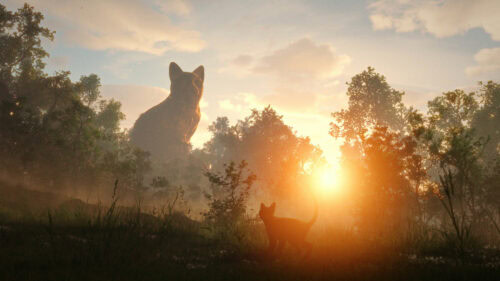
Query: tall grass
80	241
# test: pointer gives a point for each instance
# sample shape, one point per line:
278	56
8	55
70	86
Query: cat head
186	85
267	212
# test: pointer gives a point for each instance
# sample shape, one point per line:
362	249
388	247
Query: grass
66	239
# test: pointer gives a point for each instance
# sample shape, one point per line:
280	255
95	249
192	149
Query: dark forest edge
424	187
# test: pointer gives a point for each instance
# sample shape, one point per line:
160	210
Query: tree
273	151
89	89
486	120
372	102
385	163
454	109
455	161
224	144
388	177
21	53
109	116
51	132
460	191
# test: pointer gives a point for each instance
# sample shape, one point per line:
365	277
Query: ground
79	241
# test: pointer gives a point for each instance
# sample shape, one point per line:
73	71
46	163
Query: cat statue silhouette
165	130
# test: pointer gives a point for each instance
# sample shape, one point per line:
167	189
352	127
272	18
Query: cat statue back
165	130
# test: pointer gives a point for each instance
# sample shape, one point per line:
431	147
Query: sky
293	55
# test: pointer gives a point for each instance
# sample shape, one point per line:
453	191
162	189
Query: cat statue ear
200	72
174	71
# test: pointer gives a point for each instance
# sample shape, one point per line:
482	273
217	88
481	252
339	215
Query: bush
227	215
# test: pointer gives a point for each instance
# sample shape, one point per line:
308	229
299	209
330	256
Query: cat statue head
186	86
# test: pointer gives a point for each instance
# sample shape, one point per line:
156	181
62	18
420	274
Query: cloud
303	73
242	60
122	65
119	25
227	104
241	102
239	66
178	7
291	99
303	59
300	61
381	22
442	18
488	60
297	78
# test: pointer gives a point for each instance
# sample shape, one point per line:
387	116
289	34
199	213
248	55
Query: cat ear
262	206
174	71
273	206
200	71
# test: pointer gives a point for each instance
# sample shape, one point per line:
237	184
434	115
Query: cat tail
315	215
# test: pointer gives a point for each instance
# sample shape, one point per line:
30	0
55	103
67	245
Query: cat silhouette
286	230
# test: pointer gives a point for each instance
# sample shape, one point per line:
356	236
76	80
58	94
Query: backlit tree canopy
273	151
372	101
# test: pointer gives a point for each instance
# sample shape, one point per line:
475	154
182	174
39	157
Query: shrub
226	215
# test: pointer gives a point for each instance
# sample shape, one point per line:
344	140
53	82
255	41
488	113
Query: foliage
372	102
455	143
487	117
272	149
89	89
228	197
457	153
387	190
386	168
21	53
55	132
394	169
453	109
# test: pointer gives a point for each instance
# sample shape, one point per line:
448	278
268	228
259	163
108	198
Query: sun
328	180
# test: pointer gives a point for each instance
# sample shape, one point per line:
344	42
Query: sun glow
328	180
